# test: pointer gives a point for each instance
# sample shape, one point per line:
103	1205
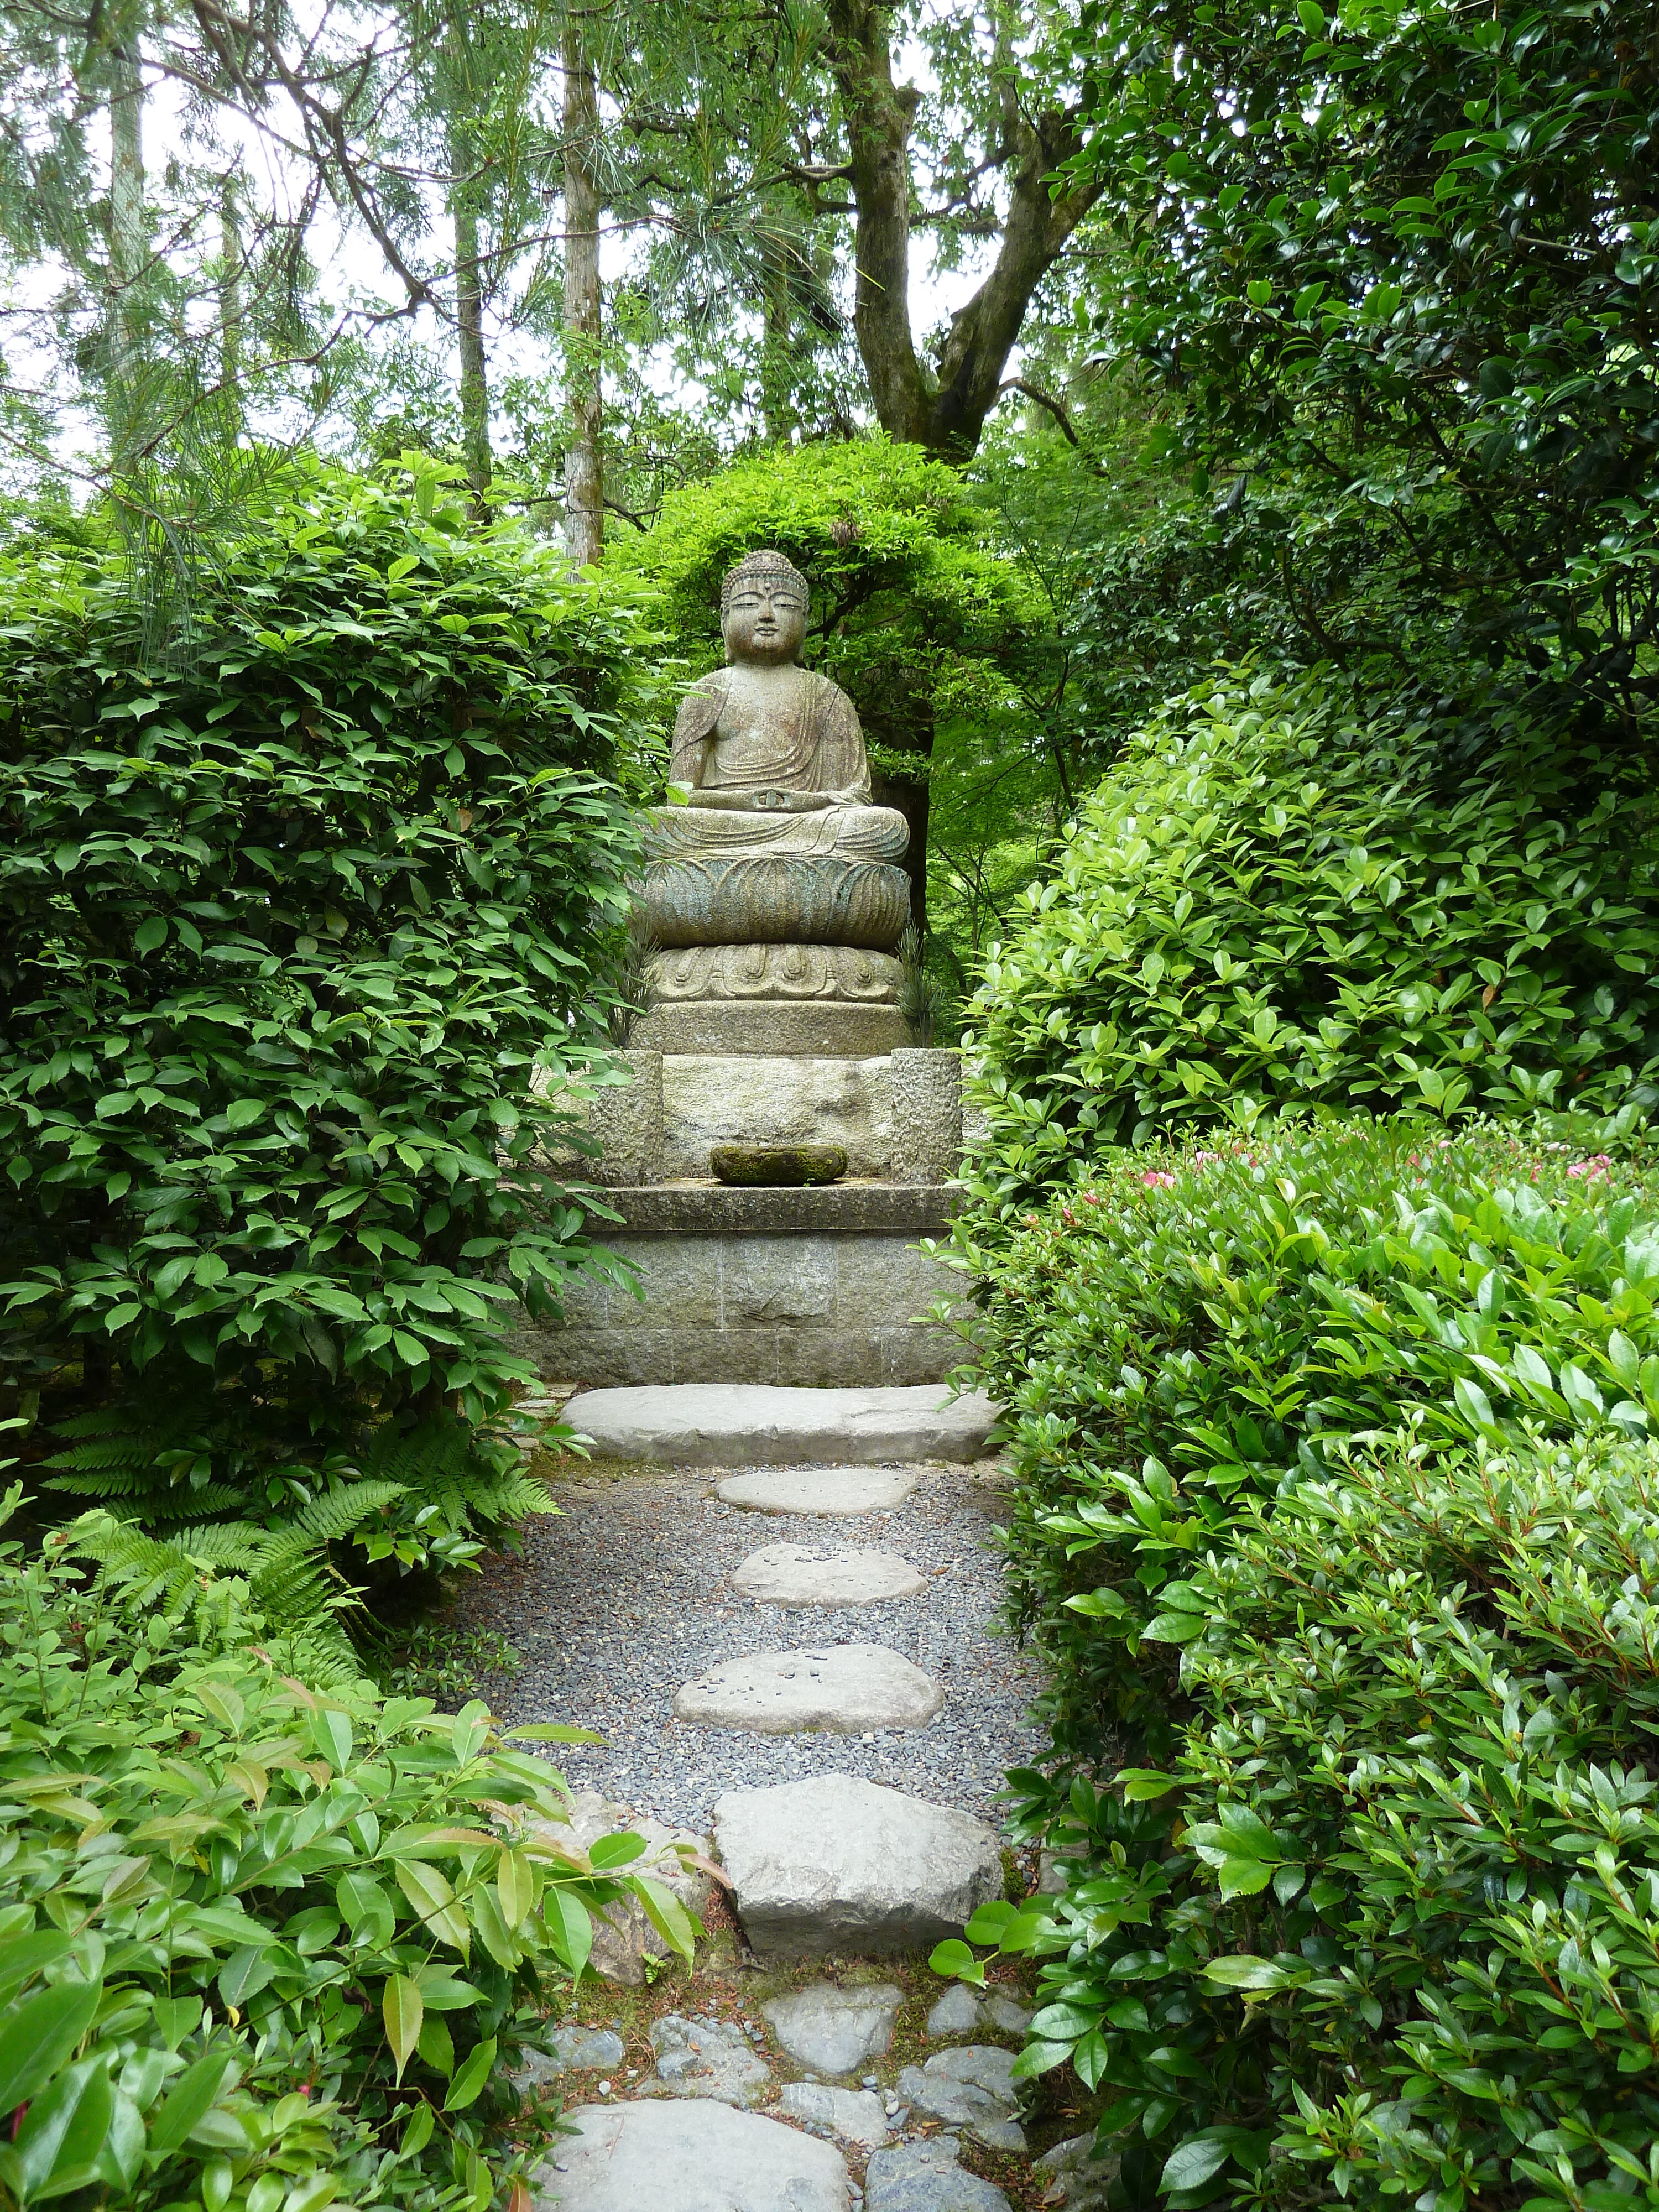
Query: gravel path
627	1595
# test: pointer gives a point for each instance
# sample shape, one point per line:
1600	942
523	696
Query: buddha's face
766	621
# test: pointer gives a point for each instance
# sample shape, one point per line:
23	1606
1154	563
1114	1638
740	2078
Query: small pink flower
1068	1216
1205	1159
1600	1165
1089	1199
1155	1179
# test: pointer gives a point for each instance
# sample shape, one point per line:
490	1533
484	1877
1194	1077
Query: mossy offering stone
778	1163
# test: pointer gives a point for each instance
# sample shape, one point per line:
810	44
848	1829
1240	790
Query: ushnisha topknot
764	561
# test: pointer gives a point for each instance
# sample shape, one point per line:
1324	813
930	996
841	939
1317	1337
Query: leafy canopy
298	912
1404	257
1270	901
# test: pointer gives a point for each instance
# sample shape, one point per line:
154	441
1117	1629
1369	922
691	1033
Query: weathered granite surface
795	1305
837	1689
823	1431
837	1575
821	1029
697	2155
625	1121
836	1864
703	1208
776	898
924	1114
774	1099
835	2030
773	974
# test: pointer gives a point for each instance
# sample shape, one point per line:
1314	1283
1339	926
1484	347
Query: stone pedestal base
897	1116
821	1029
807	1287
832	1001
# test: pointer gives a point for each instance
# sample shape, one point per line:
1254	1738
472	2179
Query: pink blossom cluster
1155	1179
1600	1164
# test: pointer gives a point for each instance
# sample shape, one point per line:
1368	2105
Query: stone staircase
831	1867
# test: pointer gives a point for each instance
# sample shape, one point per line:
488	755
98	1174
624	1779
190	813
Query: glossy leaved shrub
297	910
1335	1450
1386	1930
1271	903
264	1946
1195	1326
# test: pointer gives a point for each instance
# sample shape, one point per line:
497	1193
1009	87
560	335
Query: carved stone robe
822	752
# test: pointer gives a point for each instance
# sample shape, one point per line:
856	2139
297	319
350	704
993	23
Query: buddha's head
763	602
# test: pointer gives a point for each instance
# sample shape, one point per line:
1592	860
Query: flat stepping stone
855	2115
1078	2181
694	2156
702	2058
833	1863
844	1689
972	2086
575	2051
826	1490
835	2030
764	1424
959	2011
838	1574
926	2176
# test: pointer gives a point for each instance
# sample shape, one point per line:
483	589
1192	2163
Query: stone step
842	1689
690	2155
764	1425
828	1575
832	2030
846	1492
926	2177
833	1864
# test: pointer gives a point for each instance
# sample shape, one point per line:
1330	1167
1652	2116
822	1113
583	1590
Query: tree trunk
230	300
584	482
910	799
945	414
469	329
777	410
128	248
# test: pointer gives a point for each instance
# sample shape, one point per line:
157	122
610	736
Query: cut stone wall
815	1287
716	1099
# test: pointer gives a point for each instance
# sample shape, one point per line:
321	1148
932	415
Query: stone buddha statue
771	753
772	889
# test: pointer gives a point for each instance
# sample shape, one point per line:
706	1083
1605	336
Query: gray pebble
621	1599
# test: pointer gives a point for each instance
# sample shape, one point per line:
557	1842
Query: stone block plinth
810	1287
818	1028
924	1115
625	1121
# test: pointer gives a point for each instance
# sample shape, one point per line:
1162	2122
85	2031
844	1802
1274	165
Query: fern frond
339	1512
151	1571
174	1502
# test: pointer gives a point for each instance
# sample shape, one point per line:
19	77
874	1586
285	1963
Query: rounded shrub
1270	902
297	914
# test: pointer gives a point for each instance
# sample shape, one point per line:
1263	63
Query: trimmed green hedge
1388	1929
1336	1454
298	911
1196	1327
1270	903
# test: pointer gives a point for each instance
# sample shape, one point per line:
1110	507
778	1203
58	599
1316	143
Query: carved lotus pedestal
819	1001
